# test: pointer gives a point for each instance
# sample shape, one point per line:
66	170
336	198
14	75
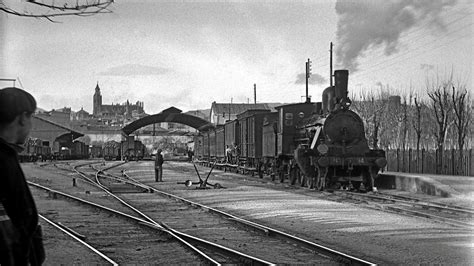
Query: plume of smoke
314	79
366	24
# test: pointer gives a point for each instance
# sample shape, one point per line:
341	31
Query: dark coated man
159	166
20	233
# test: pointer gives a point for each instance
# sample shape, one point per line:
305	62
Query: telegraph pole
230	105
308	74
330	64
255	93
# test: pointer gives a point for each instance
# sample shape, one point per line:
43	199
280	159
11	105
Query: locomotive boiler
333	151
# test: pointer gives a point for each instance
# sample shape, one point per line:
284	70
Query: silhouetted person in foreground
20	234
159	167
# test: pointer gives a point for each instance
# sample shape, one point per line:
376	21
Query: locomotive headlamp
323	148
301	114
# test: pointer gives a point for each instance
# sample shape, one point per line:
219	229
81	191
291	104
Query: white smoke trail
374	23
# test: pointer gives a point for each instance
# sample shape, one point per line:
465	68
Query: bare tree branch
463	115
81	8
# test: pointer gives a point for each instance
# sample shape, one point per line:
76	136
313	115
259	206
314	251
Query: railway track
452	215
274	239
448	214
104	231
231	247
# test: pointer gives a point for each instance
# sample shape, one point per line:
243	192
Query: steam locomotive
333	150
319	145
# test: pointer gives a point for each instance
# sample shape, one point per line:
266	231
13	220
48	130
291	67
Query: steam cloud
314	79
366	24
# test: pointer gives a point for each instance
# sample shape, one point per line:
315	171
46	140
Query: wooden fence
431	162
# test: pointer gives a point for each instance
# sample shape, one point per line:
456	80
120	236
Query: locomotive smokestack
341	78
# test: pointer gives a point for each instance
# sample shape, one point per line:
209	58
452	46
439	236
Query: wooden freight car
198	147
112	150
220	144
232	133
205	146
269	136
133	149
251	137
35	149
212	145
79	150
96	151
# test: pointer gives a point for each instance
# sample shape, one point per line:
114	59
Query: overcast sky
188	54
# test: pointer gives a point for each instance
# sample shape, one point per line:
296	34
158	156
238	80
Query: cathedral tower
97	101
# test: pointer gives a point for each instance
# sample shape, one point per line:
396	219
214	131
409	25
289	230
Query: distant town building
82	115
60	116
116	112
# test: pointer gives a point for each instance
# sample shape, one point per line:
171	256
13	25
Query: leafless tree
417	126
50	9
371	108
462	117
441	104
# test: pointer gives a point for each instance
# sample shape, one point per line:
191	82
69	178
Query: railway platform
448	188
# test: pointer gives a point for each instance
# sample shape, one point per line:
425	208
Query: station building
53	134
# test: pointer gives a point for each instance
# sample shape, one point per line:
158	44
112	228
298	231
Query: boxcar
212	144
251	122
269	136
112	150
133	149
205	145
220	143
198	146
96	151
35	149
79	150
232	133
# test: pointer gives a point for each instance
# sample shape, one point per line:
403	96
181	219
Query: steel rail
412	200
176	234
155	226
397	209
79	240
270	231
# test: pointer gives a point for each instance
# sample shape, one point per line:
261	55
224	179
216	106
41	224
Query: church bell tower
97	101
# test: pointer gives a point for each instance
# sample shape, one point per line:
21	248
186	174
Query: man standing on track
159	166
20	234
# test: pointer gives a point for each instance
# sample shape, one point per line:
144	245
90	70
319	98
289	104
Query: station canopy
170	115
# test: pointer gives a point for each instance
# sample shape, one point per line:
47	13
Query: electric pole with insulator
330	64
308	74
